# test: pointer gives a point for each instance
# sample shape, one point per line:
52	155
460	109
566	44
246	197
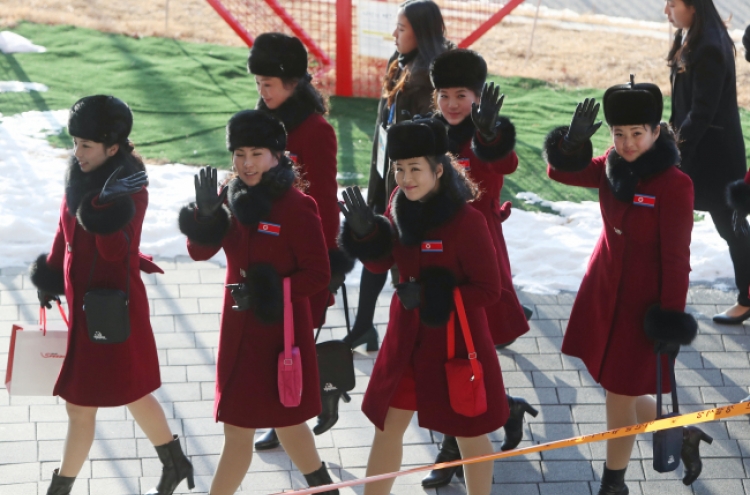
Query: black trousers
739	251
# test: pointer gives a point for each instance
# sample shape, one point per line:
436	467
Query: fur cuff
106	219
207	233
46	278
341	263
738	196
376	246
437	295
566	162
266	293
668	326
503	144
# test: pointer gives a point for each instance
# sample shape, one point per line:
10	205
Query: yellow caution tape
662	424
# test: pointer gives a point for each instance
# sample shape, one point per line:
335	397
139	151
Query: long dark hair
307	92
706	17
454	181
429	29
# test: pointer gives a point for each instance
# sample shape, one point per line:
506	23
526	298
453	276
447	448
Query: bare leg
150	417
299	444
81	426
478	476
387	450
235	459
645	408
621	411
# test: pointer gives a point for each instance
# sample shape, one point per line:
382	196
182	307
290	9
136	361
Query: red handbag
290	361
465	377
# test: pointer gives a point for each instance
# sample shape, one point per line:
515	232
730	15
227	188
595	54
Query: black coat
705	112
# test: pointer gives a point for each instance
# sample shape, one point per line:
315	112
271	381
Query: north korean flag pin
432	246
269	228
644	200
465	163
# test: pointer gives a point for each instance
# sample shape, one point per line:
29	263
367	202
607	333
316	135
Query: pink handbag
290	362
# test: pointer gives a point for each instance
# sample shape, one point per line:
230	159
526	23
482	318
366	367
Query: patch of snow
15	43
20	87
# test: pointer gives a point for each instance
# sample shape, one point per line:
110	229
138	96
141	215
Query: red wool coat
506	317
468	254
104	375
246	372
642	259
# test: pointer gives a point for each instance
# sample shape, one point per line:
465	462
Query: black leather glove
410	294
358	215
207	198
115	188
337	280
46	298
583	125
484	116
740	225
241	295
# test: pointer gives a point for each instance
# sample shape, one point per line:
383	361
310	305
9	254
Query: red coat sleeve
504	166
56	256
675	227
200	252
313	270
591	176
478	262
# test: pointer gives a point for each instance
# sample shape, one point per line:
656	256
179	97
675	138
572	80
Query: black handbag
335	359
107	314
667	443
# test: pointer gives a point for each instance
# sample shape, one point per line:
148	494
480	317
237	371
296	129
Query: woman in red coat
483	142
279	63
632	299
269	230
438	243
96	245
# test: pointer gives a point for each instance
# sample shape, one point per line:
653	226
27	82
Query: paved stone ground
185	307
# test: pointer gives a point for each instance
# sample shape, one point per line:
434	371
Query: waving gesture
484	116
358	215
115	188
207	199
583	125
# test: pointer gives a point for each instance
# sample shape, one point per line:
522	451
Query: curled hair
308	93
127	152
706	17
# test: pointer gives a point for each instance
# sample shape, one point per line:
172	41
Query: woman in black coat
706	116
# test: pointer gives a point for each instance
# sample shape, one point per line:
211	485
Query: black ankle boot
527	312
329	416
691	456
319	478
369	337
514	426
60	485
613	482
268	441
175	468
448	452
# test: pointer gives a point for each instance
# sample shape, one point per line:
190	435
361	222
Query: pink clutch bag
290	361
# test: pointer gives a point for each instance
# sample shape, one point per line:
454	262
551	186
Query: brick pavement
185	315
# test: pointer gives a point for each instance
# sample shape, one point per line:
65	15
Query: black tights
370	287
739	251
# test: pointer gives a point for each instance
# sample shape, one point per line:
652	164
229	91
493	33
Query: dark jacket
705	113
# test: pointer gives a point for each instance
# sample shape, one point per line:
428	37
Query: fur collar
413	219
295	110
78	183
250	205
458	134
623	177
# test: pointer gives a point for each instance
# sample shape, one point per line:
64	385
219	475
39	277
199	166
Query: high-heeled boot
268	441
448	452
691	456
319	478
514	426
369	337
60	485
613	482
329	416
175	468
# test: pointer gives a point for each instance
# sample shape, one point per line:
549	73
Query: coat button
70	248
618	231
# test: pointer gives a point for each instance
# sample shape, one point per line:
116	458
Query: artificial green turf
182	95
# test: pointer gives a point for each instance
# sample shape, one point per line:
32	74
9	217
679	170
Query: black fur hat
746	42
633	104
459	68
412	138
100	118
277	55
255	129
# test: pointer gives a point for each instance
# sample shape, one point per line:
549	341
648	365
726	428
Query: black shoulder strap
673	382
346	315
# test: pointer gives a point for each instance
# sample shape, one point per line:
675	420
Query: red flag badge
294	158
432	246
644	200
269	228
465	163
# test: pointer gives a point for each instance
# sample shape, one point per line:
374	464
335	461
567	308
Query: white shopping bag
35	357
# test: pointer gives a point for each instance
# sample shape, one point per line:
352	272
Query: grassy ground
182	94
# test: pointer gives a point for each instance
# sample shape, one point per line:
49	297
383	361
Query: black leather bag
667	443
335	359
107	313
